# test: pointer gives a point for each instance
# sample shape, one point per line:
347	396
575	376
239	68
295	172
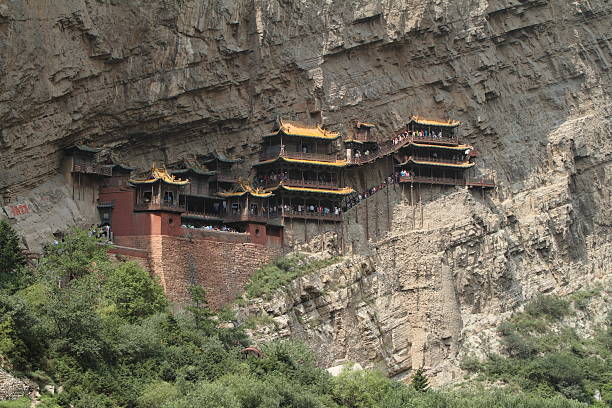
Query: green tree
135	294
12	260
199	309
419	381
77	255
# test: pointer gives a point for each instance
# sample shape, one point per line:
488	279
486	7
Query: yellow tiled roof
434	122
342	191
435	146
294	129
241	193
464	165
246	189
360	124
160	174
338	163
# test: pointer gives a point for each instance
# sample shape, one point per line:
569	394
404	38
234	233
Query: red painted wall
126	222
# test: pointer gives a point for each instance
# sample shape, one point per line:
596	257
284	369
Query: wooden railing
92	169
200	214
432	180
312	215
300	183
470	182
436	160
429	139
384	149
156	206
250	217
299	156
480	182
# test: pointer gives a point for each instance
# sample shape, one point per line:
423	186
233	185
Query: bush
134	293
282	271
552	307
156	394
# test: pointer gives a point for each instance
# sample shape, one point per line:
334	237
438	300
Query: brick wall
222	268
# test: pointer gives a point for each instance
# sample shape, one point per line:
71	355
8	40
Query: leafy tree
133	292
419	381
12	260
361	389
77	255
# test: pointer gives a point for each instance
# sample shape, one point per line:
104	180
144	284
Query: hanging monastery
209	225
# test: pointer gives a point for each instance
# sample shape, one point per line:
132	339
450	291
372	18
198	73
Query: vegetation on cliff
105	332
544	356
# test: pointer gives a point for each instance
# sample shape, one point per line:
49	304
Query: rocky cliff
167	80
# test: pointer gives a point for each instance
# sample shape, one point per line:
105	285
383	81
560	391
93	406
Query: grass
281	271
23	402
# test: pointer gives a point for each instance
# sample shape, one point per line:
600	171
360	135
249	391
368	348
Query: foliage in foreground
548	358
282	271
105	332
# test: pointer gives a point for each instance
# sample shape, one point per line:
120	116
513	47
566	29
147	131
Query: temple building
86	176
361	143
202	205
301	165
250	210
434	155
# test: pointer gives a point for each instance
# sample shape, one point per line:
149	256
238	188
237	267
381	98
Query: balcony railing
480	182
470	182
436	159
312	215
384	149
202	215
156	206
300	183
299	156
250	217
432	180
92	169
429	139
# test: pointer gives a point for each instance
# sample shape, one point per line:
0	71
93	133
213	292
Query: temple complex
308	181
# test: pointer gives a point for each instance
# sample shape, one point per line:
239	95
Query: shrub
552	307
134	292
282	271
156	394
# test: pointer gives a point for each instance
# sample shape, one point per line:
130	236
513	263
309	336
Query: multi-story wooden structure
250	210
434	155
202	204
301	165
159	191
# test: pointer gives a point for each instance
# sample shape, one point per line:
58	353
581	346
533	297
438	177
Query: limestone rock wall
164	80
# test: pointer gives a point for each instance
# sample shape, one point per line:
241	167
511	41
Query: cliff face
166	80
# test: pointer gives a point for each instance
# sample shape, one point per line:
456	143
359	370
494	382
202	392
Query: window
253	209
168	197
146	196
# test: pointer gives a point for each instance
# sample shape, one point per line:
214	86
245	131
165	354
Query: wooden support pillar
367	218
388	208
413	206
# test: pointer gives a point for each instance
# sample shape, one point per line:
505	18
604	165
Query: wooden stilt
367	219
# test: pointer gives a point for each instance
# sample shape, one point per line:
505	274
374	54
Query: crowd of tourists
355	198
224	228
